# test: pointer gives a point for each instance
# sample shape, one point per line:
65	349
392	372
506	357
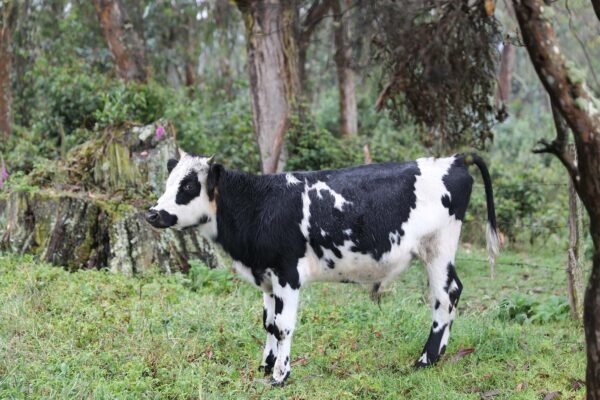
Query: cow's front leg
270	350
286	307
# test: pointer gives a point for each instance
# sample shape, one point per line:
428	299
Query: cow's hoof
266	369
419	364
424	362
276	383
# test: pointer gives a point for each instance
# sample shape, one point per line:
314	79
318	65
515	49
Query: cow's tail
491	232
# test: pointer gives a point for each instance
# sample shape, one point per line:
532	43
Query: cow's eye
188	187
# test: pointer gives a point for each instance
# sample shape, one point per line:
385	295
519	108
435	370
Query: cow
362	224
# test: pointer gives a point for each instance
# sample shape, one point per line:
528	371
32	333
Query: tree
345	74
274	76
8	11
123	41
580	111
314	16
446	78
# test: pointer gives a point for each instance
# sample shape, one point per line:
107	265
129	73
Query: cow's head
189	195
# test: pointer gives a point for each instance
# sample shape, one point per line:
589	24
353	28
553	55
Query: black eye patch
189	189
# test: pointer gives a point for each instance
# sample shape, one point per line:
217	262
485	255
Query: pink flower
3	174
160	132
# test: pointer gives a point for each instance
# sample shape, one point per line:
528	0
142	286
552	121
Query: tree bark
506	70
574	269
345	74
8	12
273	71
123	41
576	105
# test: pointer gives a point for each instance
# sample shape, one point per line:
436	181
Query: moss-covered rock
88	211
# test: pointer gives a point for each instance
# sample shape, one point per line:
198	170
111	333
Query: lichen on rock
87	211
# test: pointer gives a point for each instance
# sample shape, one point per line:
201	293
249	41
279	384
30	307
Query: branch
315	14
558	146
564	84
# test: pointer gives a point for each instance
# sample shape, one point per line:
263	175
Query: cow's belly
353	266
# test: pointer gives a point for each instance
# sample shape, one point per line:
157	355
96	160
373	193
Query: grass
92	334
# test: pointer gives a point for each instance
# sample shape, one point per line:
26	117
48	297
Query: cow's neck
239	201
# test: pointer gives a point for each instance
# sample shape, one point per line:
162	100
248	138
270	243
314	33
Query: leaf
577	384
461	353
551	395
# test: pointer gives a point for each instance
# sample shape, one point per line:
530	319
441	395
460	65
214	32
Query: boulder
87	211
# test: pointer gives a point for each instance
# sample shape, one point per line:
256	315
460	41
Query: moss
115	169
581	103
574	74
86	247
547	13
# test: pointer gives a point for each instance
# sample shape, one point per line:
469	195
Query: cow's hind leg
445	290
286	307
270	350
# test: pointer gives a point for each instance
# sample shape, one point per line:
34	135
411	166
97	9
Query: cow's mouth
160	219
203	220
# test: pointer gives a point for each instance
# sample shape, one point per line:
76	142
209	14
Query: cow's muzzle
160	219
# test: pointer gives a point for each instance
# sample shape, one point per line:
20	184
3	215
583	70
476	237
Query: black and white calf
362	224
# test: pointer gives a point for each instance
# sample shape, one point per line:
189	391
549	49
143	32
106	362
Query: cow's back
363	221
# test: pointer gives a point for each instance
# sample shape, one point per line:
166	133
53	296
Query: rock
94	219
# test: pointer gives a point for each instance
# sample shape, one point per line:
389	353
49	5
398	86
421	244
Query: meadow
98	335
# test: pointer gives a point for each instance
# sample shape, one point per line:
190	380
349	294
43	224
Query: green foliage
209	280
69	101
74	100
133	102
209	126
528	309
313	148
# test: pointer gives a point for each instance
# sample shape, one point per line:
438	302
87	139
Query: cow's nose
152	216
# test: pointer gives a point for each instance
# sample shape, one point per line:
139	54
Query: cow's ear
171	164
212	180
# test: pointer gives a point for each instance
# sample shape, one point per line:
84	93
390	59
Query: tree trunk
576	105
123	41
315	14
8	18
345	74
506	70
273	70
574	252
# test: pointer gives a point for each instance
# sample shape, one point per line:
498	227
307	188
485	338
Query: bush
216	128
72	101
209	280
526	309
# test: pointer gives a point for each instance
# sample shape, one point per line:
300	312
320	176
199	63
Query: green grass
94	334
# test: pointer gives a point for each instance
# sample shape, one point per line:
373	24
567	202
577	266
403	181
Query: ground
93	334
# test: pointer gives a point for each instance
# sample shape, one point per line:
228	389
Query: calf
361	224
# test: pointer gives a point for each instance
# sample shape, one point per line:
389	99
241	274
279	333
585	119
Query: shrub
72	101
527	309
212	127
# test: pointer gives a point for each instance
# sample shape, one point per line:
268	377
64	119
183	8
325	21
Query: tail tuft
493	247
